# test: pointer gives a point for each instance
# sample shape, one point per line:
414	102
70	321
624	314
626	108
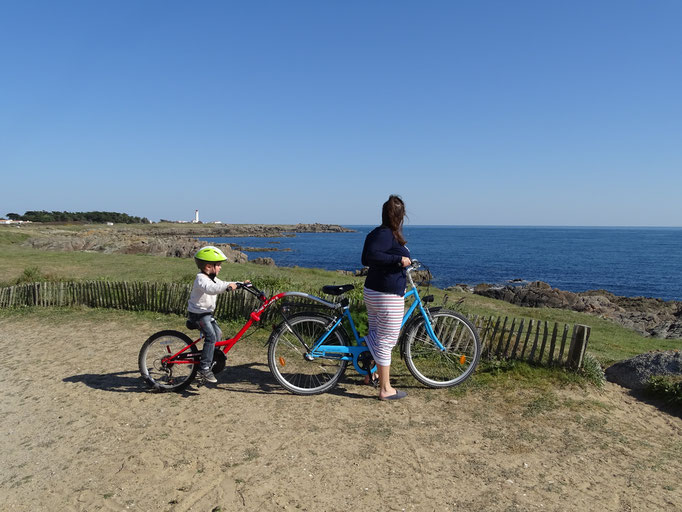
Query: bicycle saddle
337	289
191	325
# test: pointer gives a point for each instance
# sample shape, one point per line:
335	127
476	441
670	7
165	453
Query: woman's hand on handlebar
405	262
414	265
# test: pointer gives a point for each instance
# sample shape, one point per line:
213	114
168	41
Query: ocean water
625	261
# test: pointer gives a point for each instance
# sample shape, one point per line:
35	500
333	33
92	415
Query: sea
633	262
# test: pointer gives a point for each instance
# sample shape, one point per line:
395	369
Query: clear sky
476	112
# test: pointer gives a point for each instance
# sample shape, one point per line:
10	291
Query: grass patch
498	373
11	236
87	266
667	388
251	453
542	404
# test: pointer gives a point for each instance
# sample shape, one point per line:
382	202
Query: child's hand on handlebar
405	261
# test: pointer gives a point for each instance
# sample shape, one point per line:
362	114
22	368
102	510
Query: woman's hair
392	216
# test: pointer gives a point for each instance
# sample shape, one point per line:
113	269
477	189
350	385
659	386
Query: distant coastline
628	262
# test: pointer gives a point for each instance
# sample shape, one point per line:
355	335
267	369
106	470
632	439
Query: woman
386	256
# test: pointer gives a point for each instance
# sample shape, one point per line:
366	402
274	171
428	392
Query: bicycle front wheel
438	368
292	365
165	375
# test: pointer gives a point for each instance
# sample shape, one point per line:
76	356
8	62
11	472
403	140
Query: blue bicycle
309	351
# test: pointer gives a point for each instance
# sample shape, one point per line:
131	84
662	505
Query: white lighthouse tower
196	216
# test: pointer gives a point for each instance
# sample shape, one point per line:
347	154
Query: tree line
93	217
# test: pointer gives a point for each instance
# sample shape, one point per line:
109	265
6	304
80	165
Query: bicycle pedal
373	380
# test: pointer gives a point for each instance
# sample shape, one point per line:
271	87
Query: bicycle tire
286	355
161	376
440	369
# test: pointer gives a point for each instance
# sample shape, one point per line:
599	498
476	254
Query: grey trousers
212	333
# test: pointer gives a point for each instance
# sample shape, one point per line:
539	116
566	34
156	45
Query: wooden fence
535	341
502	338
132	296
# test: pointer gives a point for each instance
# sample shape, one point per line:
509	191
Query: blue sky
487	112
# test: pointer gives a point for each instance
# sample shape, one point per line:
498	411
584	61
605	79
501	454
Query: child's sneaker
208	376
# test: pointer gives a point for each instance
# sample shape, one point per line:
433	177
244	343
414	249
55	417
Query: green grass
82	266
9	236
666	387
609	342
522	375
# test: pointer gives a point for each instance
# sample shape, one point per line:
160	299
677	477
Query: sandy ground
79	431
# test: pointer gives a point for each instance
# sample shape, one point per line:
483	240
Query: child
202	301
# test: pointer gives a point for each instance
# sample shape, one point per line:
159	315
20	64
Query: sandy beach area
79	431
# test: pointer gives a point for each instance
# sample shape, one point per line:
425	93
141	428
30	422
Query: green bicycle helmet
209	254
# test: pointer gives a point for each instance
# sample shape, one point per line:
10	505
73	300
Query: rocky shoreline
180	241
650	317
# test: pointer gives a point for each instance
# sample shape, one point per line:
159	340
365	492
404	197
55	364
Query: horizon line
597	226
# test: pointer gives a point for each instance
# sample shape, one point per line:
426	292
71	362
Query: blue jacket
382	254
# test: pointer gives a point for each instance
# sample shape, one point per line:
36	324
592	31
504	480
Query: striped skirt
385	314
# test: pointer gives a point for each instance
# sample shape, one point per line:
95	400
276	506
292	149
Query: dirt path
79	431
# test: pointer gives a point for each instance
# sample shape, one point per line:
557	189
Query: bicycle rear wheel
163	375
290	363
437	368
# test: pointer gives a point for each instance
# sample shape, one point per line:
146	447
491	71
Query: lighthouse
196	216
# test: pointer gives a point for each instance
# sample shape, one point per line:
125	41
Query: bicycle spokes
449	365
297	369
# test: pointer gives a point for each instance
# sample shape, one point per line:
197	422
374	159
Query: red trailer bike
169	360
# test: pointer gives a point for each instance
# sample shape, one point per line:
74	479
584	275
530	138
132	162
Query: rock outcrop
650	317
635	372
268	262
163	239
175	246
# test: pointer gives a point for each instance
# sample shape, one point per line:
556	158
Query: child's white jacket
204	293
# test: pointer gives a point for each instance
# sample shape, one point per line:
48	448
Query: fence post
544	342
500	340
578	346
525	342
492	338
484	334
518	339
552	344
563	344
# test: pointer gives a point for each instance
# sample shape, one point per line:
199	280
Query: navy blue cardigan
383	254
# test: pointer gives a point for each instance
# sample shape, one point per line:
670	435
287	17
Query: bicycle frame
353	352
226	345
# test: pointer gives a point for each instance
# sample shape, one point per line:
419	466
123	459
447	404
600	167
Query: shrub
593	371
31	275
667	387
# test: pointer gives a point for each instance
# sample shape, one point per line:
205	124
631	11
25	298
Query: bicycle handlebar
415	265
249	287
